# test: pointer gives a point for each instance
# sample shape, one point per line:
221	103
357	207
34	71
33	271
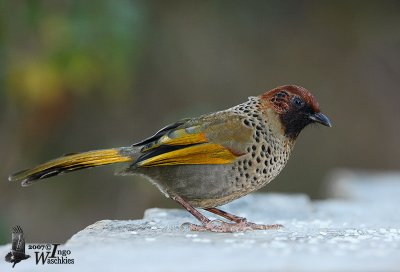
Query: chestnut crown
296	108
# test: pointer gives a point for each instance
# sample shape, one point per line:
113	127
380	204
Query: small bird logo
17	252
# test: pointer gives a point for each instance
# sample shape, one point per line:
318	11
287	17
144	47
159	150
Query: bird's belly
206	186
193	182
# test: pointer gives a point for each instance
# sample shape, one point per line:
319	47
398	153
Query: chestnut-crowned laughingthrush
210	160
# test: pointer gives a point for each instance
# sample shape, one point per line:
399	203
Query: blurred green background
81	75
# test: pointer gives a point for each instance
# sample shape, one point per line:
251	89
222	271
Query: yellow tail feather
70	163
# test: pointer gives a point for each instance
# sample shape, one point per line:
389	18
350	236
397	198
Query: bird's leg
206	224
241	222
226	215
204	220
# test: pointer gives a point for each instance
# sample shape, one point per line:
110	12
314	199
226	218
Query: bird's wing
18	240
216	139
161	132
9	257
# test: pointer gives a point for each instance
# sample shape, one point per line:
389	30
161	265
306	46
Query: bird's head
296	108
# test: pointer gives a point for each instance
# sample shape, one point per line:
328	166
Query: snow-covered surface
359	233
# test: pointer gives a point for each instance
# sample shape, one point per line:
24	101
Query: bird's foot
222	226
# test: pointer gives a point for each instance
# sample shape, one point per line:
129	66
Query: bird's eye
297	102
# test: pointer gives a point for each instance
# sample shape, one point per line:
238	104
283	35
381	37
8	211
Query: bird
17	252
210	160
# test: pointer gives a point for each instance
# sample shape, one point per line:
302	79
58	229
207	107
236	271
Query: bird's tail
71	162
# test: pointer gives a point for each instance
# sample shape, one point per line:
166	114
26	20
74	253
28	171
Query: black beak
321	118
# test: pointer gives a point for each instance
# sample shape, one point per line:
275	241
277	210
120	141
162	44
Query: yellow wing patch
207	153
178	137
